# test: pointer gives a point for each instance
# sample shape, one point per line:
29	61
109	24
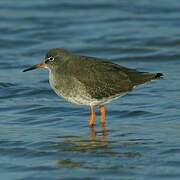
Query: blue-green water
44	137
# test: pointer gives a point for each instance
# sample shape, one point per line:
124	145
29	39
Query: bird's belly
76	98
77	94
96	102
82	99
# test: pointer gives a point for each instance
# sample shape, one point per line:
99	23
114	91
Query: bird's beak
41	65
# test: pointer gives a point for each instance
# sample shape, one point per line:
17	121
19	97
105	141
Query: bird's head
52	59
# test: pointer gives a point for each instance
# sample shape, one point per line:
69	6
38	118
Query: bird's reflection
96	139
102	137
79	150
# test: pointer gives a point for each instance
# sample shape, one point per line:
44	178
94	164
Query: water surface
44	137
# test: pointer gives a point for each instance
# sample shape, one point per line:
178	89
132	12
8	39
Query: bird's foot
103	125
93	134
91	125
104	129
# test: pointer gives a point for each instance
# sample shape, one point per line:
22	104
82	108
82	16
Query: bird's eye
51	59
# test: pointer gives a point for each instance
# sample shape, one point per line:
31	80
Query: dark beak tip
29	69
25	70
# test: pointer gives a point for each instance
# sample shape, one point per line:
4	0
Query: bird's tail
158	75
143	77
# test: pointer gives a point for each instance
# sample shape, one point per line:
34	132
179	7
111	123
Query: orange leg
103	115
92	117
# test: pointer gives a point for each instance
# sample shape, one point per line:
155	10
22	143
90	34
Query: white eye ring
51	58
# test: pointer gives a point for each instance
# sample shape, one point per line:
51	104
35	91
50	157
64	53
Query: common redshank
90	81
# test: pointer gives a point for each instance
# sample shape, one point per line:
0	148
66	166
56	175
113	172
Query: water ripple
43	137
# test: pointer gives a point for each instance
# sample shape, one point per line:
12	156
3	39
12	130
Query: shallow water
44	137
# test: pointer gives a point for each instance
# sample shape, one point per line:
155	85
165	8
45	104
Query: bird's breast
70	89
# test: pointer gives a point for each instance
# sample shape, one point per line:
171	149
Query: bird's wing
100	78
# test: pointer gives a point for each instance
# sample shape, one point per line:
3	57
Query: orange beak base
42	65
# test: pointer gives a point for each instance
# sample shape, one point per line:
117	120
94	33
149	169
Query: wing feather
101	78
